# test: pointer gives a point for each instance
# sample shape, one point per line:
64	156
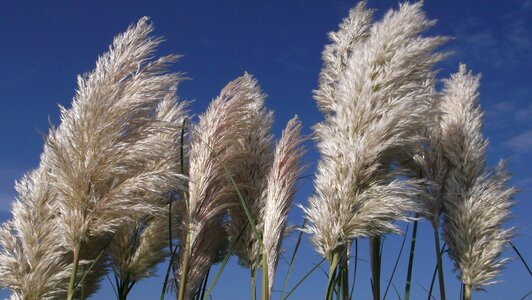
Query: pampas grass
477	201
378	109
279	194
258	150
137	247
32	262
379	103
124	183
102	164
212	160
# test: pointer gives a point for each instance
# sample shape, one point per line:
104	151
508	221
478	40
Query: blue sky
44	47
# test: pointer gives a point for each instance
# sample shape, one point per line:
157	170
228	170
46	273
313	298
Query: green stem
374	249
354	270
204	288
390	281
434	276
467	292
265	283
332	275
253	283
74	272
411	261
265	278
440	264
521	257
344	273
167	275
184	268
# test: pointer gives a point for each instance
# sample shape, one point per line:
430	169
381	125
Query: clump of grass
118	182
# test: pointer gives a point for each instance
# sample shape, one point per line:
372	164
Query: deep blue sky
45	45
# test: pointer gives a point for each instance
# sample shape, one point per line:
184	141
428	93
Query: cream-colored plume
351	33
137	247
101	167
477	201
279	193
33	263
213	160
257	155
379	103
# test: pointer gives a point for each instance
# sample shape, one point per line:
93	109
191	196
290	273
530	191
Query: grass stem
184	268
253	284
411	260
74	272
467	292
439	260
333	265
374	250
344	273
265	283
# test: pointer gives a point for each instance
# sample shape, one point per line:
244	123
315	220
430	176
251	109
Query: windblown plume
139	246
477	201
280	191
213	160
430	165
101	167
381	101
32	262
257	156
353	30
107	165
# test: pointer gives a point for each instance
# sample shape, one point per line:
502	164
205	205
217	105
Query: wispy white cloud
503	43
8	176
5	202
524	114
521	143
524	184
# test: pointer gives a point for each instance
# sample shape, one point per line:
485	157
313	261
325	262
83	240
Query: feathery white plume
100	167
477	201
212	160
33	264
352	31
137	247
256	149
279	193
380	101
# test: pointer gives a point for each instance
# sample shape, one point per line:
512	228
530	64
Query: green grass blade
425	289
525	296
112	285
291	265
411	260
91	266
167	275
396	262
331	282
434	274
354	271
303	279
521	257
224	263
204	288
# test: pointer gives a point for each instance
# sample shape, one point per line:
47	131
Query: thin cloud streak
521	143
